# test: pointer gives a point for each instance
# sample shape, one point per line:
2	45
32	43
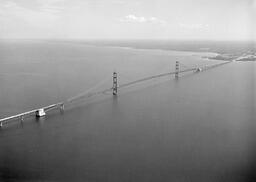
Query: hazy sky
135	19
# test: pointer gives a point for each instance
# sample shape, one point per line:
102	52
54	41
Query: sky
128	19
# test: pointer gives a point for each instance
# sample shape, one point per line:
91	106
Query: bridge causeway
41	112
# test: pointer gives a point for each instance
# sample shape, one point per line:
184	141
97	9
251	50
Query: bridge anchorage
40	112
198	69
62	108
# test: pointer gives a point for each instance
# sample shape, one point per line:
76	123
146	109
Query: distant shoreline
222	50
230	57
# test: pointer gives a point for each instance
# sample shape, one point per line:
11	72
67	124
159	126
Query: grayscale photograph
127	90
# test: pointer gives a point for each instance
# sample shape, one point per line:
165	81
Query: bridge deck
89	94
17	116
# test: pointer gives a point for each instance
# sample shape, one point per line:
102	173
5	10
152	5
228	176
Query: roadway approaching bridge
37	112
41	112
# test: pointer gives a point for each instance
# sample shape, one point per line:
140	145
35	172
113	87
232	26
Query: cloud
140	19
133	18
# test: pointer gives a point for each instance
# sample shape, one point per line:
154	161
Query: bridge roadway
32	112
197	69
41	111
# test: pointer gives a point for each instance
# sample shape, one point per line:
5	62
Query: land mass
226	50
248	56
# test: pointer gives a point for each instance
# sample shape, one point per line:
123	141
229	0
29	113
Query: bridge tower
177	69
114	83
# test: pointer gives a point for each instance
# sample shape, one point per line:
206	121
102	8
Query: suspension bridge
41	112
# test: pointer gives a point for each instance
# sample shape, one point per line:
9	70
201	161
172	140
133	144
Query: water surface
198	128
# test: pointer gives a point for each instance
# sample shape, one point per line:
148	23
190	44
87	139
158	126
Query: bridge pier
114	83
1	124
177	69
40	112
